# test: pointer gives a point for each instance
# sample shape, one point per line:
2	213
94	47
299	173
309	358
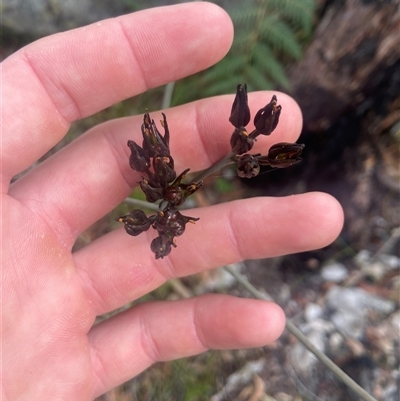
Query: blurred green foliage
269	34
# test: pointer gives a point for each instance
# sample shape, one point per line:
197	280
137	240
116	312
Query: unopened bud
135	222
153	193
139	160
240	113
161	246
267	118
241	141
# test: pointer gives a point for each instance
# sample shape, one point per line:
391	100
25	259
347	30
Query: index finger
71	75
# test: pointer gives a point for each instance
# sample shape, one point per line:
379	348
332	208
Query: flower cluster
280	155
160	182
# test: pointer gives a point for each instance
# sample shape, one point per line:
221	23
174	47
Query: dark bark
354	44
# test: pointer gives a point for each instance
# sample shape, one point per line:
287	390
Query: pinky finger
130	342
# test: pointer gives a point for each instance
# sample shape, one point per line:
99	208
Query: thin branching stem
303	339
215	167
141	203
167	97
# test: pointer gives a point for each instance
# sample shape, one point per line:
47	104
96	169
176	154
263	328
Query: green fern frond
280	36
244	15
265	61
300	13
241	42
226	85
257	79
267	35
230	65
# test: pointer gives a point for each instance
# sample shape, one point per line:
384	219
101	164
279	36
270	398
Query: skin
50	296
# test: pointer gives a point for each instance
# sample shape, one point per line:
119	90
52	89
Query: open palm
50	348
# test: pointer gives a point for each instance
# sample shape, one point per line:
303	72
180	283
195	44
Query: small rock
375	271
350	308
336	342
334	272
313	312
391	261
363	258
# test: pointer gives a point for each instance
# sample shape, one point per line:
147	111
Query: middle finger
117	268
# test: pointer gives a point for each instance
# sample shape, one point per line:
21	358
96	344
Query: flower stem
215	167
141	203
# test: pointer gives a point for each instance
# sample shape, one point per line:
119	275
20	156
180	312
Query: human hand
50	348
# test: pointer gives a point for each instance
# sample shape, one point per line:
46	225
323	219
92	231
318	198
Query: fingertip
272	319
328	216
318	218
190	37
261	324
221	20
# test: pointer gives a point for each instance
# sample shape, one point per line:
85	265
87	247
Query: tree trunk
354	44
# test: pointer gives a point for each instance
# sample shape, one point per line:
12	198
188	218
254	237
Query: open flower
135	222
267	118
177	192
164	171
282	155
152	190
161	246
241	141
171	222
248	166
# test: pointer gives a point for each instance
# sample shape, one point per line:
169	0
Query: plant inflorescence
160	182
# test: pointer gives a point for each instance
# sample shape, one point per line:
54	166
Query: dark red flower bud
171	222
175	195
152	191
240	113
248	166
164	171
135	222
139	159
241	141
282	155
161	246
267	118
177	192
153	142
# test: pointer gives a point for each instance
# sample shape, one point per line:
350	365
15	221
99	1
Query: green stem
215	167
167	97
141	203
